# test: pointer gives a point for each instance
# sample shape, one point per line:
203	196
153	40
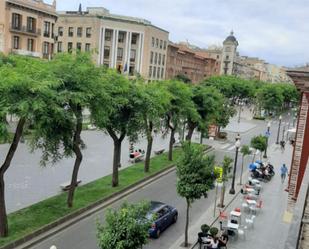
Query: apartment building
130	45
27	27
184	60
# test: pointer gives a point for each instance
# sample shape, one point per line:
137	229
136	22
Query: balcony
25	30
26	52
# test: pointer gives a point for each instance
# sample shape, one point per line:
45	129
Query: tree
25	84
121	117
155	101
226	169
245	151
207	101
79	78
270	98
225	111
259	143
195	176
126	228
182	77
180	107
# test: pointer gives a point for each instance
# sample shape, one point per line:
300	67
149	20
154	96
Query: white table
234	213
232	226
251	202
250	190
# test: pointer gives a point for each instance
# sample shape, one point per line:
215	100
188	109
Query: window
106	52
162	72
227	57
228	49
119	54
16	21
134	39
131	70
70	47
121	37
106	65
59	47
159	62
156	58
164	46
150	71
87	47
30	45
45	49
78	46
46	29
153	42
108	35
79	32
31	24
71	32
151	57
88	32
163	60
157	43
132	55
52	30
154	72
16	41
60	31
158	73
218	56
161	44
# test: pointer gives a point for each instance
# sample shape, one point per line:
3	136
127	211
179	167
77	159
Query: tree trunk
149	147
191	127
6	164
78	155
221	205
116	162
187	223
172	140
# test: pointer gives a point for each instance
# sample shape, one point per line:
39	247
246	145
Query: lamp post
267	134
232	190
280	118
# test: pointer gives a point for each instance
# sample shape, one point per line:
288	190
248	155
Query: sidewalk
271	224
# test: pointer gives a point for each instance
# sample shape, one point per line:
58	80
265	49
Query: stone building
229	54
130	45
27	27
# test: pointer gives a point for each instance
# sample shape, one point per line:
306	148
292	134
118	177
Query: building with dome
229	54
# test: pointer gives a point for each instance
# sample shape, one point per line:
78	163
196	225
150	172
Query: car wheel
158	233
175	218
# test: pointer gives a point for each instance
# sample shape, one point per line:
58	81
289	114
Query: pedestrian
284	172
282	145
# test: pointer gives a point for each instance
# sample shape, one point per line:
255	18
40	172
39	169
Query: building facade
229	54
27	27
130	45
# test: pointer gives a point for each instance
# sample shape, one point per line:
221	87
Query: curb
55	227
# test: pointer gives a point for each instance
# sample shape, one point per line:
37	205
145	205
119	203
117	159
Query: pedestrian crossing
230	147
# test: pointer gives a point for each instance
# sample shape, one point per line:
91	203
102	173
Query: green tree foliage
180	107
156	101
290	94
226	169
225	112
79	77
259	143
270	98
121	117
25	85
208	101
182	77
195	176
126	228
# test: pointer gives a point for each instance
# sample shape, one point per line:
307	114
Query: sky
274	30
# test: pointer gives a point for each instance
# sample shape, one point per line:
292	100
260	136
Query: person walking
284	171
282	145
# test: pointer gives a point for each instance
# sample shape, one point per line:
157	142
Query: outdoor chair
223	216
250	221
245	207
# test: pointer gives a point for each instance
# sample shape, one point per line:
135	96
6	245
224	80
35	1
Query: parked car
164	215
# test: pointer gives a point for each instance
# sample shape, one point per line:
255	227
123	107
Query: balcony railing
25	30
25	52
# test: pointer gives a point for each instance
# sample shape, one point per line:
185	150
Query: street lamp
280	118
283	131
232	190
267	134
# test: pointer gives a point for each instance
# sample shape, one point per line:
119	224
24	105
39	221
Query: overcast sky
274	30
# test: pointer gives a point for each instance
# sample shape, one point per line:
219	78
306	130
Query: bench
66	186
158	152
138	158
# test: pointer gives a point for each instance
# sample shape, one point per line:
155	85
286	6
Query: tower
228	54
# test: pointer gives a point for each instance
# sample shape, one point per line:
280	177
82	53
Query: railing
24	29
296	227
25	52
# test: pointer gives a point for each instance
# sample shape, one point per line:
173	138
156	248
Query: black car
164	215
